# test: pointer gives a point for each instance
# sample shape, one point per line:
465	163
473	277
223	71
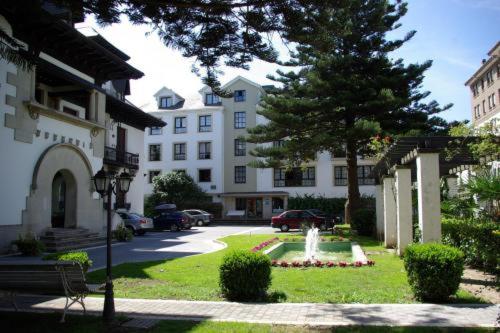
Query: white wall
191	138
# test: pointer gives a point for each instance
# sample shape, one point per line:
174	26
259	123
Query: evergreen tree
347	88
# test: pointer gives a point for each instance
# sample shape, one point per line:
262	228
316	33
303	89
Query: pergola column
379	207
452	183
403	208
390	239
429	197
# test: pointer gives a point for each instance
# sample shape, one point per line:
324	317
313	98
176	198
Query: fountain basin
328	251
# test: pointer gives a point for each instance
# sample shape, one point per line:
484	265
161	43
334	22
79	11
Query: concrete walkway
464	315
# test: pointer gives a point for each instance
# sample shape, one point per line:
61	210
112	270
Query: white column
403	208
390	226
452	182
379	206
429	200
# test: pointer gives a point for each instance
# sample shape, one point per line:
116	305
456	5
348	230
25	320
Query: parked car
168	217
199	216
293	219
330	220
136	222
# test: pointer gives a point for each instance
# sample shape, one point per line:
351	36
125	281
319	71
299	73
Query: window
165	102
153	174
295	177
475	89
240	174
489	77
205	123
477	111
179	171
155	131
211	99
155	152
484	106
240	95
363	175
204	150
180	125
292	215
240	119
179	151
278	143
491	101
204	175
278	204
240	147
241	204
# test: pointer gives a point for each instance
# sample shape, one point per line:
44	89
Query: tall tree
347	88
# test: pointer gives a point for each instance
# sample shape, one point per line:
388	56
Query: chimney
483	61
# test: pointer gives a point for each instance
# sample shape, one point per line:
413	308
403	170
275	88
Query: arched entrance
64	200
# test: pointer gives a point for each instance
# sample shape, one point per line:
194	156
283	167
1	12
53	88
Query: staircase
61	239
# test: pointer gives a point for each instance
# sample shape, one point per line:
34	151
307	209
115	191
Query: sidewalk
455	315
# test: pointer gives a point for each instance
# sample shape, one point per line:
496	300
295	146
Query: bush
123	234
434	271
153	200
80	257
245	276
363	220
29	245
478	240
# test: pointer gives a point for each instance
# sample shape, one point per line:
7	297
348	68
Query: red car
293	219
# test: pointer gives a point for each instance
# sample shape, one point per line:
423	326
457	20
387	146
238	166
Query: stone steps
56	240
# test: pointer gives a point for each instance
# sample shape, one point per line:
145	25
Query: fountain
311	244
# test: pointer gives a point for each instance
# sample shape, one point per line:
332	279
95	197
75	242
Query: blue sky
455	34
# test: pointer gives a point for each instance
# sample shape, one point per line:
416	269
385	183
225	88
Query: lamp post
105	186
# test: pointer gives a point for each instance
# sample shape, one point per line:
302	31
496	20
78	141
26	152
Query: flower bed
319	263
264	244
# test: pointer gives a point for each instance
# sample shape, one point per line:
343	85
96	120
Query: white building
62	122
194	122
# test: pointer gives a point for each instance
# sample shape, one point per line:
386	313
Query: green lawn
48	323
196	278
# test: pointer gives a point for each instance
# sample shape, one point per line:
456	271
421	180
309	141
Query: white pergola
421	162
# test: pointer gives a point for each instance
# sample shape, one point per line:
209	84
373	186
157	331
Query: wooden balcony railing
121	158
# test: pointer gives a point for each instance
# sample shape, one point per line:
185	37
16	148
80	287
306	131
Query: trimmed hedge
29	245
80	257
245	275
331	206
363	220
153	200
123	234
478	240
434	271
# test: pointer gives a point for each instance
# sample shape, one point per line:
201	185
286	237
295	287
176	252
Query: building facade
485	90
255	193
62	121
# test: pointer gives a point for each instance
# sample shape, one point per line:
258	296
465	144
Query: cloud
460	62
486	4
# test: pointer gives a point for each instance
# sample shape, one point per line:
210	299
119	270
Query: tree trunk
353	197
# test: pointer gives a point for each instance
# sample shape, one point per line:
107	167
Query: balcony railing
121	158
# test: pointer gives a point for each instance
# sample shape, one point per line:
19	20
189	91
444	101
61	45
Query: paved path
162	245
285	313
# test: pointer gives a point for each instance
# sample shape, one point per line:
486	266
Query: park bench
236	213
51	278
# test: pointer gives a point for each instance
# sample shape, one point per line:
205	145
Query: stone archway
82	210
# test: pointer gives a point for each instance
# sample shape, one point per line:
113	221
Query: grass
196	278
45	323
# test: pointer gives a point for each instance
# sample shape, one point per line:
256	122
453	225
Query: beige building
485	90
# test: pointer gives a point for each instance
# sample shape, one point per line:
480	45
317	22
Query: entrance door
58	201
258	207
121	139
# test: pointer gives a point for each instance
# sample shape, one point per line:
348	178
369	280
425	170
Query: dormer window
240	95
165	102
212	99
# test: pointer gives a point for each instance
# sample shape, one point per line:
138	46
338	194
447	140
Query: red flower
296	264
318	263
274	262
358	264
330	264
370	262
284	264
342	264
306	263
341	238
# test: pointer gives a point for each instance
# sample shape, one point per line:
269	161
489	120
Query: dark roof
125	112
453	153
103	42
51	35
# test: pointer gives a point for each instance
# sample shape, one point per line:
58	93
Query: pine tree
347	88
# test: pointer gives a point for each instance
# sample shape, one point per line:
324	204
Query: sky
455	34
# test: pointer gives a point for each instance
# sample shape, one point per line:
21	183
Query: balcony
121	158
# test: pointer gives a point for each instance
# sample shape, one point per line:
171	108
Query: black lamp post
104	185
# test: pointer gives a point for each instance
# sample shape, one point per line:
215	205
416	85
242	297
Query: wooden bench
51	278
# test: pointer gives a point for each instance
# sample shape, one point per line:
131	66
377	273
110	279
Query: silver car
200	217
136	222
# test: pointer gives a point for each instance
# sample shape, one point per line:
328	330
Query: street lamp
104	185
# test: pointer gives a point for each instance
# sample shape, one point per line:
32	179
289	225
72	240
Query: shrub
80	257
29	245
478	240
245	276
331	206
123	234
363	220
434	271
